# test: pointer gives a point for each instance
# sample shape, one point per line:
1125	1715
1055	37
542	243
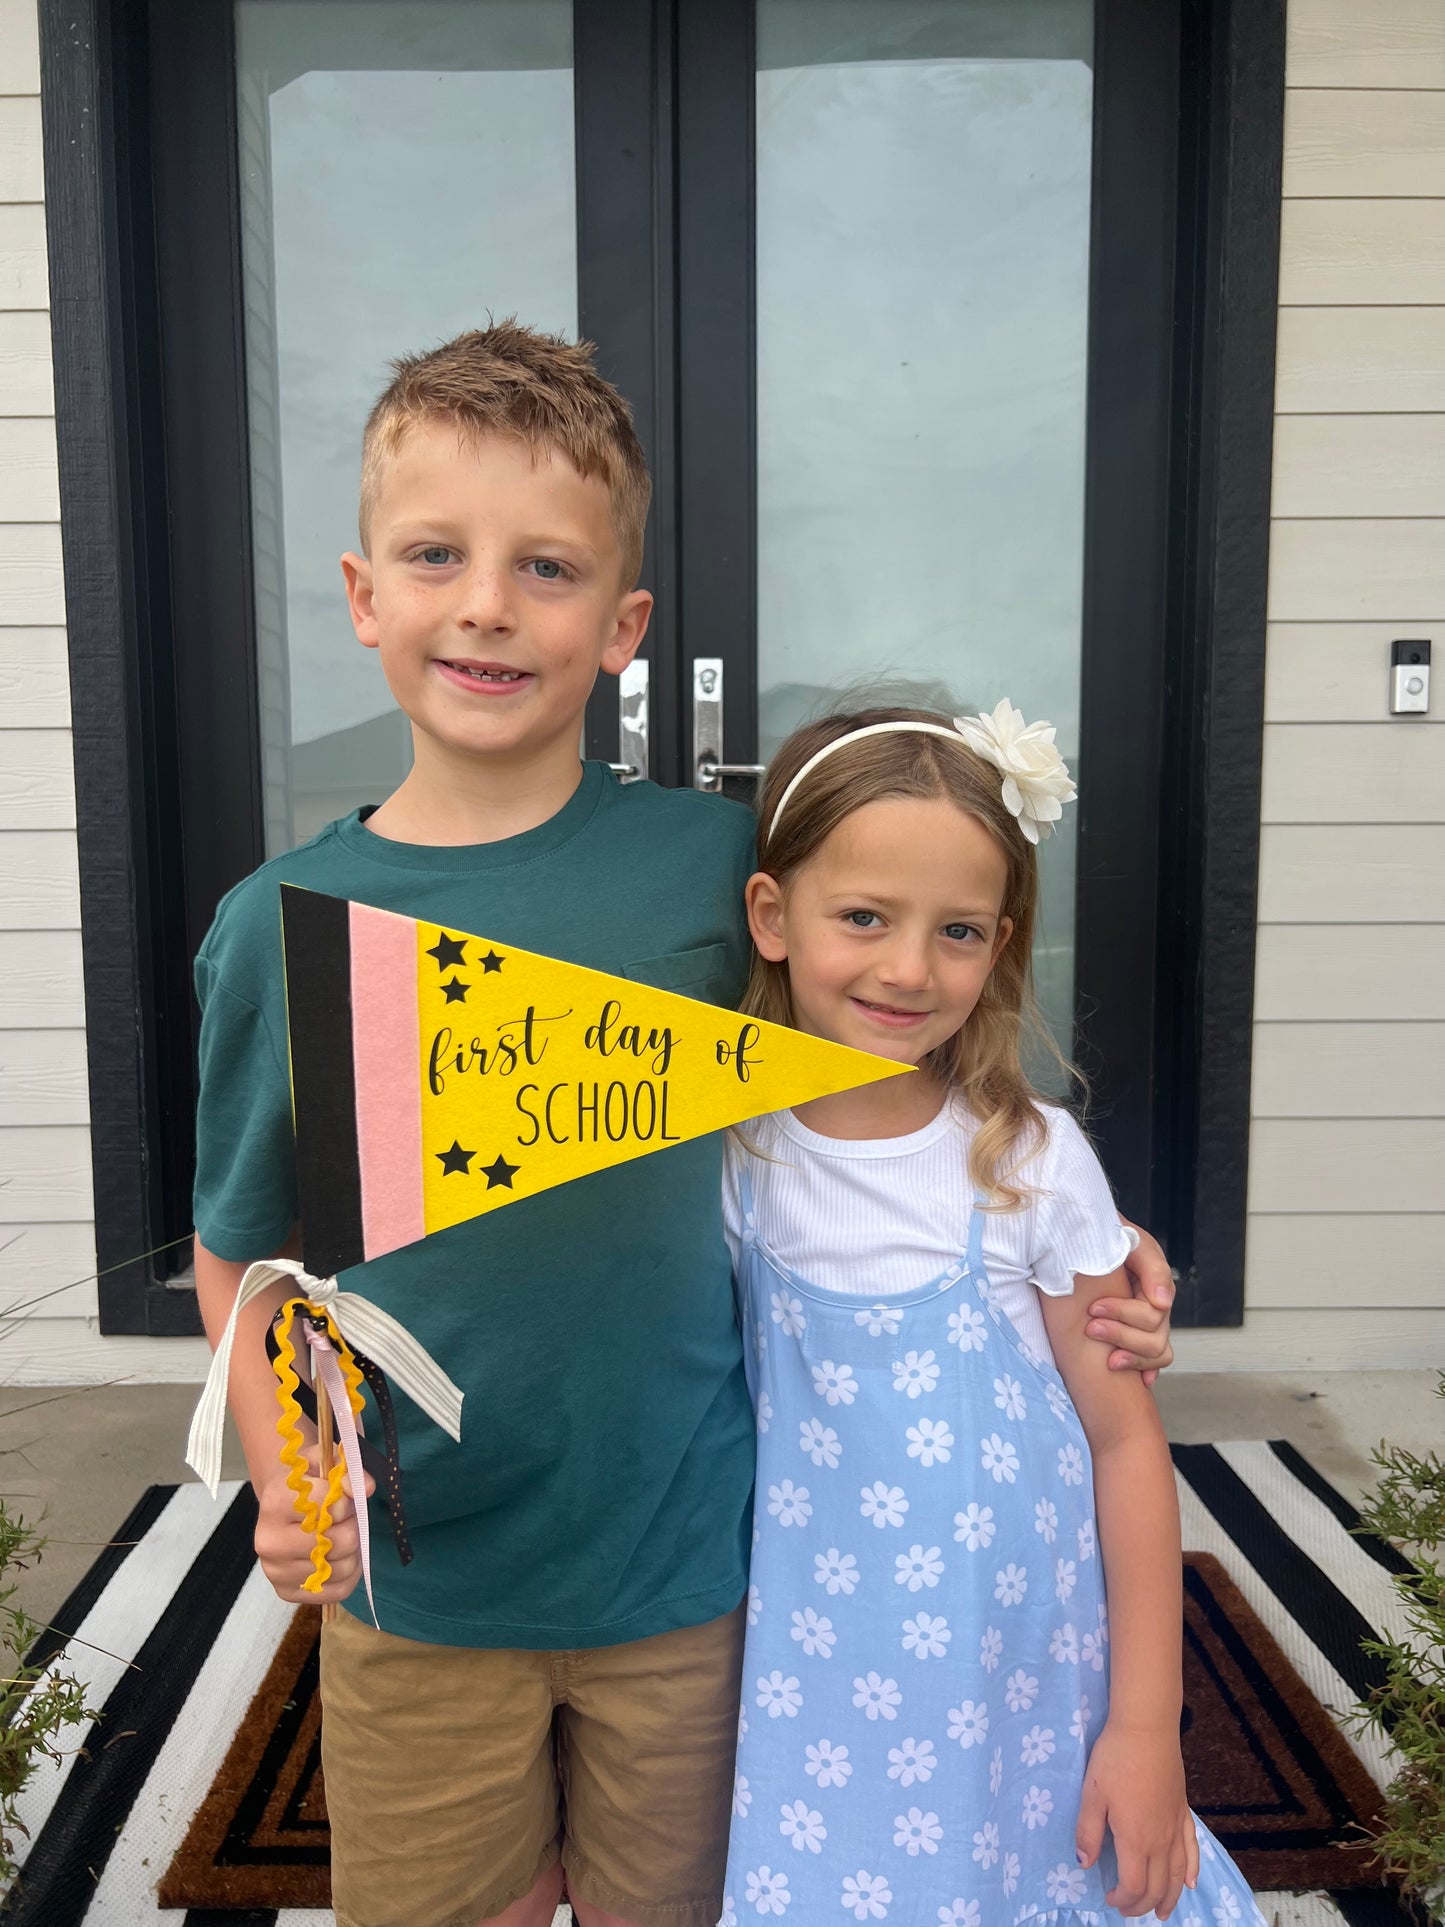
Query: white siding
46	1234
1346	1250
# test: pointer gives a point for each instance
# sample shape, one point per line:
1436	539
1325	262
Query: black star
455	1160
500	1172
448	951
456	991
492	962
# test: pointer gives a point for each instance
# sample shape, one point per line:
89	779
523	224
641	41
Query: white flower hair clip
1036	780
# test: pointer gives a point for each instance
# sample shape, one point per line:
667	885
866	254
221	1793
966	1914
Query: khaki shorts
456	1776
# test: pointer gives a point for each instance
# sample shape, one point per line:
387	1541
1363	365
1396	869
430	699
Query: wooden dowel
326	1457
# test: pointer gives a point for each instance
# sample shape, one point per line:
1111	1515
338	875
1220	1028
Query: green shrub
36	1708
1408	1508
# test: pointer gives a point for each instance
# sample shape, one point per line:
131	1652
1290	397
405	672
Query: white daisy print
916	1373
1065	1884
1008	1396
755	1605
974	1526
1229	1909
729	1915
742	1796
742	1725
788	1312
820	1442
878	1320
1064	1645
866	1896
1079	1723
990	1649
878	1698
1091	1652
912	1760
1038	1805
803	1827
1000	1457
837	1571
765	1411
926	1637
1066	1575
1071	1465
918	1567
814	1633
1010	1585
1010	1872
986	1843
777	1695
884	1504
995	1771
789	1503
1046	1521
967	1329
930	1442
760	1338
1020	1690
1086	1539
916	1832
835	1383
767	1891
1058	1400
829	1764
1038	1745
959	1913
968	1724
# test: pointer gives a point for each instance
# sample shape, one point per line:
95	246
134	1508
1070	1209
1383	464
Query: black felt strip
1380	1550
72	1614
70	1853
323	1078
1306	1593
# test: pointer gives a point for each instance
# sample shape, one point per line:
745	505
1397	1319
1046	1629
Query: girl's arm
1135	1779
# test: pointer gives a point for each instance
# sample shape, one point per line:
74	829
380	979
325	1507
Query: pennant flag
436	1075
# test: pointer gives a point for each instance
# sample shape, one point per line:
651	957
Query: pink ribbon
324	1361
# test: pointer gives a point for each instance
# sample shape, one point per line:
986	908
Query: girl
936	1728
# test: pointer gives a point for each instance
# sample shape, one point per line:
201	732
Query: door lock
708	767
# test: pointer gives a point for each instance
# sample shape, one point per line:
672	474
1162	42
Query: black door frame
150	401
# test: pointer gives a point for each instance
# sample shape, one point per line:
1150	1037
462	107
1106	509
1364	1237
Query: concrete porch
76	1460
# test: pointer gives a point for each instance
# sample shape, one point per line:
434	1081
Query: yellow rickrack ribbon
315	1516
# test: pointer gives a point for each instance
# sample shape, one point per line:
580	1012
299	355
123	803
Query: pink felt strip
386	1055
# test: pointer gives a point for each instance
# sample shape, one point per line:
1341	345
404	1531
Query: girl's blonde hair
982	1062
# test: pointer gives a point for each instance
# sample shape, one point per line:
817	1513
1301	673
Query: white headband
1036	782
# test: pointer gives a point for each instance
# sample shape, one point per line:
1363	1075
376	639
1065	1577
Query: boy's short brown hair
510	380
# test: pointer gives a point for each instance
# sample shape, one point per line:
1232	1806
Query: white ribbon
365	1327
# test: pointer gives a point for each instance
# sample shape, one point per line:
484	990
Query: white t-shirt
879	1216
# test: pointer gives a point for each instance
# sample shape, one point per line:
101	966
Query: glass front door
406	168
923	197
888	284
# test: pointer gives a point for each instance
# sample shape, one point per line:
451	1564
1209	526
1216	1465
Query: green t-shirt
601	1489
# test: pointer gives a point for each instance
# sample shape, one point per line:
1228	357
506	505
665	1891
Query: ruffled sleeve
1076	1222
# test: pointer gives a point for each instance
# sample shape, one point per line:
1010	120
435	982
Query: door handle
708	768
632	720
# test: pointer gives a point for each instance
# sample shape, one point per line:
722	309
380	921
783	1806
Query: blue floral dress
927	1651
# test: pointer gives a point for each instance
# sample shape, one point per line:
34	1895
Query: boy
557	1685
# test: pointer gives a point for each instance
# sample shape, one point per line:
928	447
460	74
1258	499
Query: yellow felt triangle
437	1075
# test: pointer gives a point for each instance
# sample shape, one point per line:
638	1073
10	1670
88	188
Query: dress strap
977	1218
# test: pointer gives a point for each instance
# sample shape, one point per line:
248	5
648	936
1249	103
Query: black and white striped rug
174	1628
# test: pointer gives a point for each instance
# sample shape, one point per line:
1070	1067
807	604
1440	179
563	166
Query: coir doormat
196	1797
1267	1769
